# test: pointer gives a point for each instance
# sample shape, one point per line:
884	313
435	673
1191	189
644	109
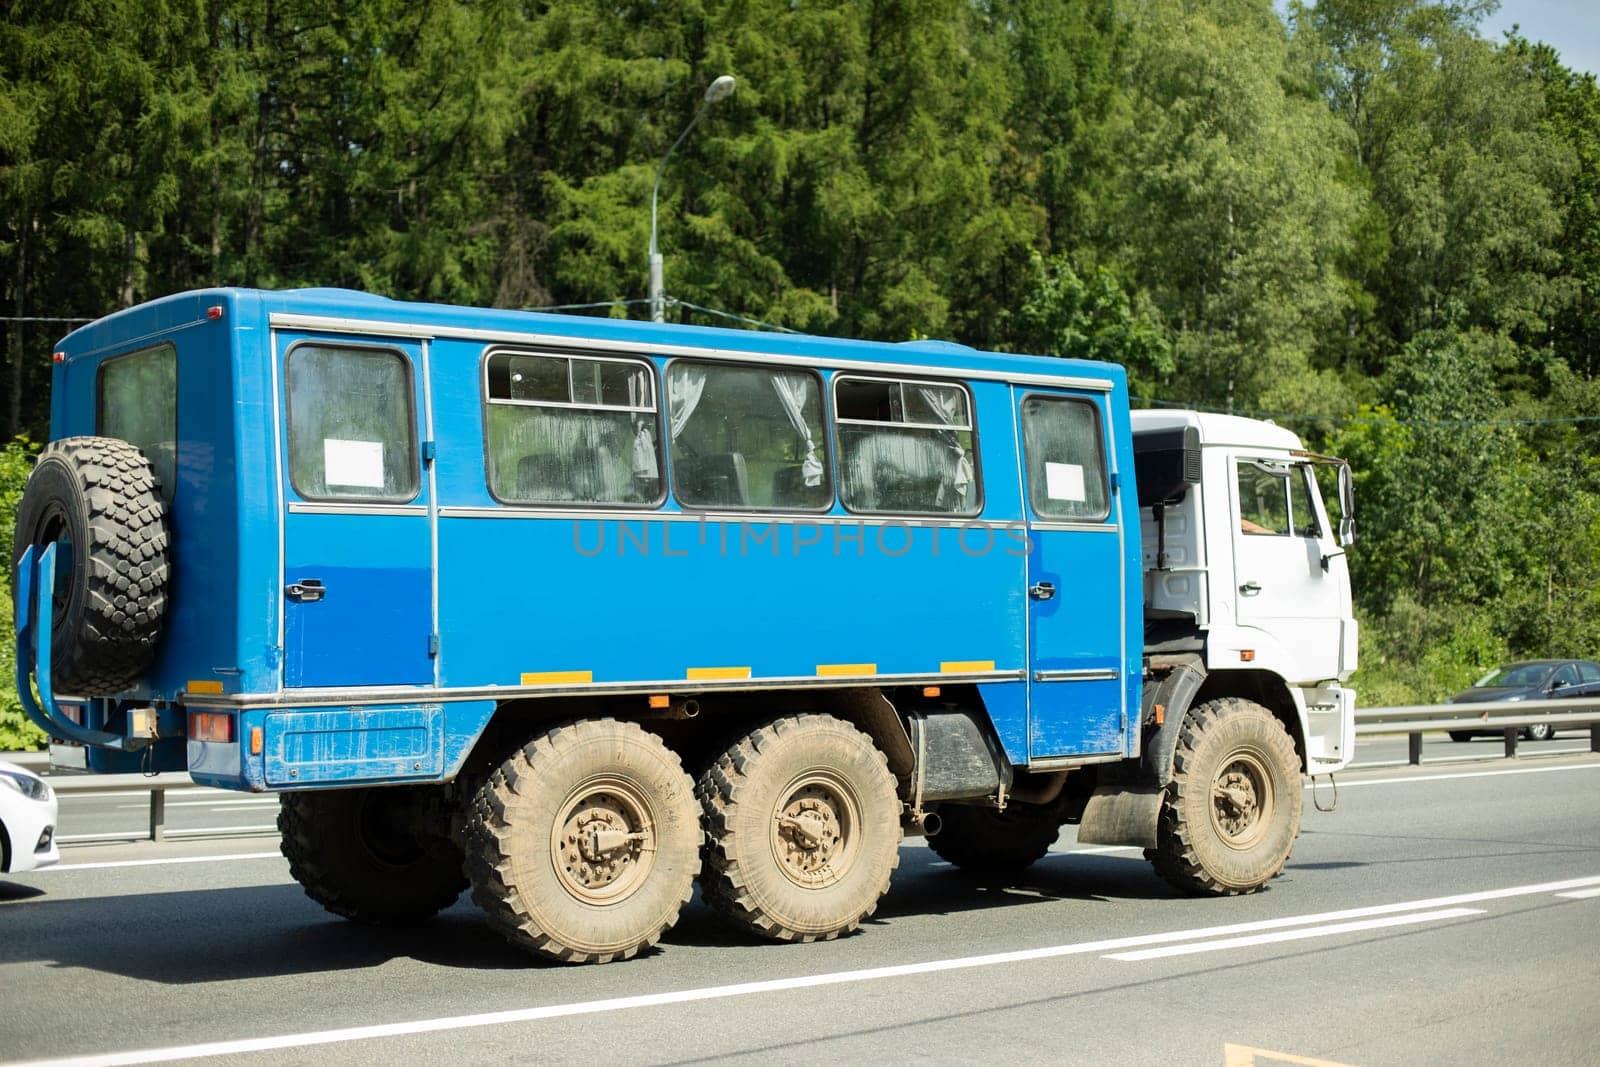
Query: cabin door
1075	581
358	590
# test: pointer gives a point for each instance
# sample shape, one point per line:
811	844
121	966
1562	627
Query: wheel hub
604	842
814	832
1241	801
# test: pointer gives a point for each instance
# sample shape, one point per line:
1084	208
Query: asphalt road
1447	914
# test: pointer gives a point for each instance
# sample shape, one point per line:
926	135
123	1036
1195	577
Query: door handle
1042	590
1250	588
306	591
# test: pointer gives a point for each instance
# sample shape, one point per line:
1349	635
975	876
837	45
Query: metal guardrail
158	785
1509	717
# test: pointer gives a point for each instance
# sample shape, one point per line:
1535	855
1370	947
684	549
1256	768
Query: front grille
44	839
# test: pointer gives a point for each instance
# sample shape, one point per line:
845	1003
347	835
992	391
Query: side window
1263	497
1302	510
1566	675
904	446
352	424
138	402
1066	459
747	437
571	429
1589	672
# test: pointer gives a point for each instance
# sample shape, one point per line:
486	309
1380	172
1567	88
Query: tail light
214	726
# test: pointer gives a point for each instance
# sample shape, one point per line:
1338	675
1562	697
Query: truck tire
802	829
541	870
1232	810
378	856
97	499
981	840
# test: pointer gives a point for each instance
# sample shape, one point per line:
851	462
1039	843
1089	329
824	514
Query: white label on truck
352	464
1064	481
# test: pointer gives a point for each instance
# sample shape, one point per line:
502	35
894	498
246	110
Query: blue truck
579	612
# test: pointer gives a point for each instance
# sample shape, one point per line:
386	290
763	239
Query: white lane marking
1100	850
1295	935
163	862
124	835
1581	894
264	802
1410	779
743	989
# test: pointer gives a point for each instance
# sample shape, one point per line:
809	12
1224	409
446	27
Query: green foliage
1358	213
16	732
1416	655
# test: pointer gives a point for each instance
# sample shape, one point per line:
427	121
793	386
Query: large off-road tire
802	829
97	500
380	856
981	840
1232	811
584	845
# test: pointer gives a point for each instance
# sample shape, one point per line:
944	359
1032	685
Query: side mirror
1557	684
1347	506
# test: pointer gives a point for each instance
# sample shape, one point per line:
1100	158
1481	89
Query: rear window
352	424
138	403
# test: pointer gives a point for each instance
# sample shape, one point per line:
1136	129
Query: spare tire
98	501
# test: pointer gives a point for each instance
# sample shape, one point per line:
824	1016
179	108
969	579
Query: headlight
26	784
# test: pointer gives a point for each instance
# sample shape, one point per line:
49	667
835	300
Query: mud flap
1121	815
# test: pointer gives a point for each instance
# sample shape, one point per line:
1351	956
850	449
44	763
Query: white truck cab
1245	564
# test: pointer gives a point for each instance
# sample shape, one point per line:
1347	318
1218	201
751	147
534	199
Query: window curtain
644	441
791	389
686	384
946	405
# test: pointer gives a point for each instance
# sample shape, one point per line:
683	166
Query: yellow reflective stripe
202	686
830	670
557	677
966	666
710	674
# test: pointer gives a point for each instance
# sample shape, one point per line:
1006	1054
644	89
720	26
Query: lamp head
720	89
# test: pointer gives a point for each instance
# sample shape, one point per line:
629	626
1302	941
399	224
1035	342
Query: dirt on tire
98	499
555	848
785	770
1233	758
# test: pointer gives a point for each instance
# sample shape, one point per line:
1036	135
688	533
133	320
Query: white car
27	820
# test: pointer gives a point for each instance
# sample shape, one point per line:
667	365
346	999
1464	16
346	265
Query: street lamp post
717	90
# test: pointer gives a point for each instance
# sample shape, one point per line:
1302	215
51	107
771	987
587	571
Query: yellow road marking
1245	1056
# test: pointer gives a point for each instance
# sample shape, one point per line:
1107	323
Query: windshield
1515	675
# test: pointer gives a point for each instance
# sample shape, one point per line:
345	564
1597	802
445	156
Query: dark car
1539	679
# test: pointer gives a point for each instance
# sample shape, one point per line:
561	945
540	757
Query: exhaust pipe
925	825
682	709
